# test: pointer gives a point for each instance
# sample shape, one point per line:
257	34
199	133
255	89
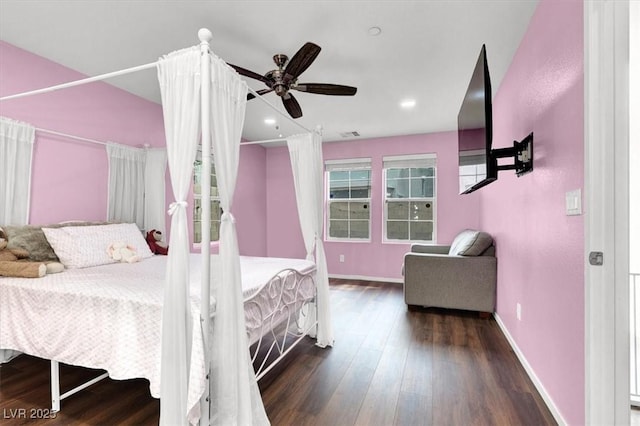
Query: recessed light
408	103
270	121
374	31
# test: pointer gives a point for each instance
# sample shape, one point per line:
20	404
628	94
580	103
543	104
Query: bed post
205	184
55	387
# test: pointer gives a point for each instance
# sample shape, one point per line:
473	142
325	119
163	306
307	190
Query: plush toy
122	252
13	263
157	246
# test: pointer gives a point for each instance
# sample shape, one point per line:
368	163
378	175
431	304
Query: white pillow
84	246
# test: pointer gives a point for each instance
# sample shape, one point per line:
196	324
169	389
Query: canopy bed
205	366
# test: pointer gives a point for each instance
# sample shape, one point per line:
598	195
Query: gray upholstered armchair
459	276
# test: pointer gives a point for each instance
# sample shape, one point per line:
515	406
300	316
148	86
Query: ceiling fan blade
302	59
259	92
292	106
326	89
250	74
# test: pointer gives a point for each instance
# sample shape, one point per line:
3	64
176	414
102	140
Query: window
349	199
410	198
197	203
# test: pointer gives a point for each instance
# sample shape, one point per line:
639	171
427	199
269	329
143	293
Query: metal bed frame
278	330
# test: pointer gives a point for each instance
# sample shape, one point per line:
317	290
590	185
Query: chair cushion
470	243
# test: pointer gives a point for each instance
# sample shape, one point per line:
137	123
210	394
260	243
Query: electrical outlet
519	311
342	258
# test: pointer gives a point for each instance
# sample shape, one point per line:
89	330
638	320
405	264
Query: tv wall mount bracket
522	154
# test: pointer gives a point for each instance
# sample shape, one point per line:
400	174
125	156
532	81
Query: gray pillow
32	239
470	243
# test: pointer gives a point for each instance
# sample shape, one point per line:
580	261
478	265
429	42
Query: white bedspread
109	317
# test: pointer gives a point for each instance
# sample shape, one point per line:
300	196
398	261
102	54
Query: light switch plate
573	202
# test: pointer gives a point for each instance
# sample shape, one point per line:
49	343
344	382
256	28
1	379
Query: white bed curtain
16	151
305	152
179	78
235	397
154	190
126	184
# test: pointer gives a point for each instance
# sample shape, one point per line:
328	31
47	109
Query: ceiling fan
285	78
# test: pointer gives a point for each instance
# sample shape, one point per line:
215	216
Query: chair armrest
431	248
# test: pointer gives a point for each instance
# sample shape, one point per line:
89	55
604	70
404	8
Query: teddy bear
122	252
15	262
157	246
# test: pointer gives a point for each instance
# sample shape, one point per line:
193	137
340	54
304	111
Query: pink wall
373	259
69	178
541	250
250	199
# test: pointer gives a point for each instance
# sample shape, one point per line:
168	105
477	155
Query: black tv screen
476	166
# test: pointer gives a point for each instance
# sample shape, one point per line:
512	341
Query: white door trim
606	103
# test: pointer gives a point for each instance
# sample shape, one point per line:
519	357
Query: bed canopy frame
176	414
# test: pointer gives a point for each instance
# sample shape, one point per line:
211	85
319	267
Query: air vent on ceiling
349	134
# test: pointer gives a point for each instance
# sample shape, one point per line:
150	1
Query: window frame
346	165
428	160
198	197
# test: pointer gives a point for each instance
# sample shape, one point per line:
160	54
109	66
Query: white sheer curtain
16	150
126	184
179	77
305	152
154	190
235	397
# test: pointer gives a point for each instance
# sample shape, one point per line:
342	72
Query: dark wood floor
389	366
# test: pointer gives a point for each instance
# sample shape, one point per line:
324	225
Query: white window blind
409	161
349	164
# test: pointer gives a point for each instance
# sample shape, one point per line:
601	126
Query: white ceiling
426	51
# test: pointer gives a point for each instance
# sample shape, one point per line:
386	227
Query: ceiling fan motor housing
277	78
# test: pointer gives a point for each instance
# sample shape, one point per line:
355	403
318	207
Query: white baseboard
364	278
532	375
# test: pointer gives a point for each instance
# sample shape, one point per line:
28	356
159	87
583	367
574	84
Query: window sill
212	245
425	243
347	240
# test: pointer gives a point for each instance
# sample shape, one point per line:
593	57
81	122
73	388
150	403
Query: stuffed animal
122	252
13	263
157	246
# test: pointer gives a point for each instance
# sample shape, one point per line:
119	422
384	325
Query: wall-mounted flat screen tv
477	167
